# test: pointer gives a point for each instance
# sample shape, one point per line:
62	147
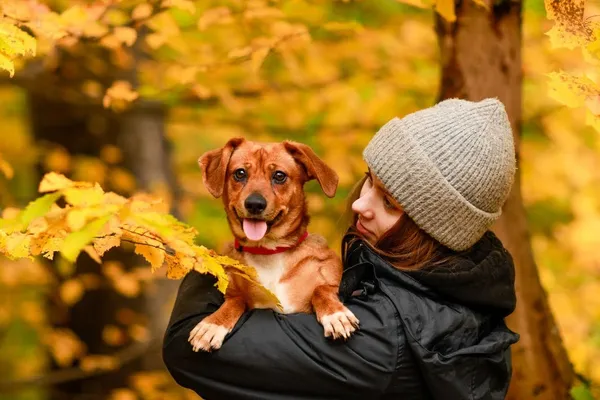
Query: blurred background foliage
370	62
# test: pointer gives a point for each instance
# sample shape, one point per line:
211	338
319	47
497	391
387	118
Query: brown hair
404	245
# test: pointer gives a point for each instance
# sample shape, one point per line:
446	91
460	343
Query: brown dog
262	190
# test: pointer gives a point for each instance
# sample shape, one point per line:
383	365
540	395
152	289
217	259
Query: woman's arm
274	356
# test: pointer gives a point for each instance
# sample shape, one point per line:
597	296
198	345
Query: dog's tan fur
305	278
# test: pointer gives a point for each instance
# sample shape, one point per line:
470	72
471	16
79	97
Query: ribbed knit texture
450	166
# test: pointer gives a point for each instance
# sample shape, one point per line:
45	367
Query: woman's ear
213	165
314	166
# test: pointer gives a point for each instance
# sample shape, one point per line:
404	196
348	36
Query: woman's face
377	211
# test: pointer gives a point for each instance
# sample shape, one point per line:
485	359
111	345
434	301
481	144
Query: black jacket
436	333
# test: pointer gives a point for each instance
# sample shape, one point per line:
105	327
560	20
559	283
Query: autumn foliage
94	221
324	73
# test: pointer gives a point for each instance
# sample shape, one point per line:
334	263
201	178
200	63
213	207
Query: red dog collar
265	251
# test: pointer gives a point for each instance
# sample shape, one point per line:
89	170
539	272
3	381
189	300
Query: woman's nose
361	206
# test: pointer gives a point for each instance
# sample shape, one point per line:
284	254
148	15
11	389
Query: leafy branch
93	221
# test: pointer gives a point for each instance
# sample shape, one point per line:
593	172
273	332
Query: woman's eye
388	204
239	174
279	177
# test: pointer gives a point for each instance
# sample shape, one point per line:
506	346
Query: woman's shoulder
452	316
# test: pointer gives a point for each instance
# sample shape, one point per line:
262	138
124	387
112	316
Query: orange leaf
126	35
142	11
71	291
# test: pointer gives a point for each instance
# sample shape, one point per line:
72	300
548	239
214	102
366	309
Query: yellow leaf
213	16
186	5
155	40
126	35
141	11
593	104
202	92
482	3
64	346
6	169
446	9
113	335
57	160
103	244
71	291
53	181
111	154
99	363
113	198
571	28
258	57
119	91
38	225
7	65
417	3
128	285
95	29
91	251
138	332
177	267
76	219
262	12
123	394
84	197
110	41
240	52
560	37
15	41
76	241
17	245
155	256
571	90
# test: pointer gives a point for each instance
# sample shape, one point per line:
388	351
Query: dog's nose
255	203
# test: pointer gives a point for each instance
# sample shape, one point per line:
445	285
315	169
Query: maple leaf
571	29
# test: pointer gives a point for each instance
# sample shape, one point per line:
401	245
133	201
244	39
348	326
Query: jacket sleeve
274	356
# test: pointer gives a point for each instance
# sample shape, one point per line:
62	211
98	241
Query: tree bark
84	129
481	57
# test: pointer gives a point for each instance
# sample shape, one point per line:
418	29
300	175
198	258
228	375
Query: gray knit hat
450	167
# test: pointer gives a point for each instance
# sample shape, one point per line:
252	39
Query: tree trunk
481	57
84	129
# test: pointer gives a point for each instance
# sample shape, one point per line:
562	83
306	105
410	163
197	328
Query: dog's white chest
270	269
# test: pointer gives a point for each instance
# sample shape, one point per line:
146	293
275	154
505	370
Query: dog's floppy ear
214	166
315	167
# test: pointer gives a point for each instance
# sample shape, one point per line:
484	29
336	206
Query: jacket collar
482	277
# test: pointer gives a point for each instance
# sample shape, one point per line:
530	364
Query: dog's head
262	185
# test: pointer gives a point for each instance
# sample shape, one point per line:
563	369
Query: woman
427	280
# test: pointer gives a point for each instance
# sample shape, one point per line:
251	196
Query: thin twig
124	356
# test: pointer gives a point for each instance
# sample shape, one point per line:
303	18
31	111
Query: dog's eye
279	177
239	174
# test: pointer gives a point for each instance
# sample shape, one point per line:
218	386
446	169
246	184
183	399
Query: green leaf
76	241
581	392
38	208
166	225
9	226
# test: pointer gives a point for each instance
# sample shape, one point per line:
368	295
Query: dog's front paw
340	324
207	337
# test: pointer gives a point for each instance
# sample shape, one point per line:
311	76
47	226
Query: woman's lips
362	229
